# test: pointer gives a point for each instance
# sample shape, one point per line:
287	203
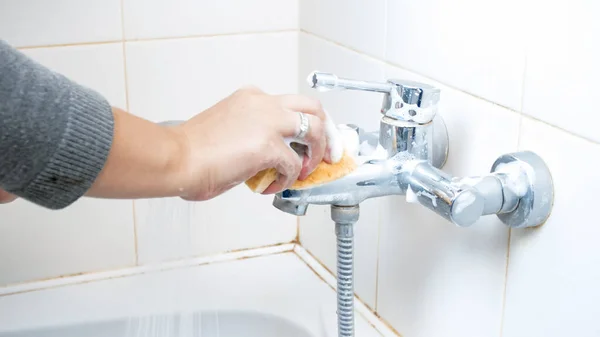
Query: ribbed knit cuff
80	155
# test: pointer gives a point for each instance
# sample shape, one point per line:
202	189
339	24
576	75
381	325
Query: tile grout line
505	283
520	128
379	222
298	229
379	208
75	44
166	38
519	131
126	79
62	281
389	63
385	29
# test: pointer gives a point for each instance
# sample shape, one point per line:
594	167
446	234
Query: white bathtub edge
96	276
330	279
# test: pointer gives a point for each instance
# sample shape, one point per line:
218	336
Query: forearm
60	141
146	160
55	135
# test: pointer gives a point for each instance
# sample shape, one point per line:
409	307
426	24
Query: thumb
6	197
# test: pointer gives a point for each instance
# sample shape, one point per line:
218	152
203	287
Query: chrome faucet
413	144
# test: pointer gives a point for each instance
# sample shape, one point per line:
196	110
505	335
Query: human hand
244	134
6	197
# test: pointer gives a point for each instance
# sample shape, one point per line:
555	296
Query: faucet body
414	143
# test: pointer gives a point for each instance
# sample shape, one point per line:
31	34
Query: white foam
335	140
411	196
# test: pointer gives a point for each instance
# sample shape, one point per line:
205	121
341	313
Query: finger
304	104
288	165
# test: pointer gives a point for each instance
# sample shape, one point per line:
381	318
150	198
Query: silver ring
304	126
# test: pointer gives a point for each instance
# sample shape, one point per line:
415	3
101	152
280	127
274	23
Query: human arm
60	141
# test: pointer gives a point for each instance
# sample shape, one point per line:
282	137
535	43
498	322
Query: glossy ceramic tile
561	81
42	22
476	46
175	79
359	24
179	78
553	274
316	228
265	285
164	18
436	279
99	67
91	235
172	228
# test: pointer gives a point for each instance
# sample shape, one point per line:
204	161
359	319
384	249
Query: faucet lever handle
326	81
404	100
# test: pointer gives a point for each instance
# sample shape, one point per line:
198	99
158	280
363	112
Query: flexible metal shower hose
345	279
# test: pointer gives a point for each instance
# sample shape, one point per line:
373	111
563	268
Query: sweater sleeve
55	135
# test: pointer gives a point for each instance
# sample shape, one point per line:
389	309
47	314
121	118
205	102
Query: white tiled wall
50	22
158	18
514	75
497	63
171	60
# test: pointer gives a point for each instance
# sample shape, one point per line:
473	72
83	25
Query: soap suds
515	182
411	197
431	197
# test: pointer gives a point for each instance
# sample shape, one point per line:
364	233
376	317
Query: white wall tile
553	273
99	67
43	22
179	78
360	108
165	18
91	235
561	82
359	24
436	279
173	228
472	45
175	79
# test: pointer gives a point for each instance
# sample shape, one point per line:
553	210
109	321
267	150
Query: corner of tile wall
405	255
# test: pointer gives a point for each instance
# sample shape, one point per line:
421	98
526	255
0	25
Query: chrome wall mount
414	138
405	157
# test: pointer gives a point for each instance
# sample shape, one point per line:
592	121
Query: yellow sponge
322	174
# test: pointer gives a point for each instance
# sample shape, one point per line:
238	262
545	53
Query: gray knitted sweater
55	135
